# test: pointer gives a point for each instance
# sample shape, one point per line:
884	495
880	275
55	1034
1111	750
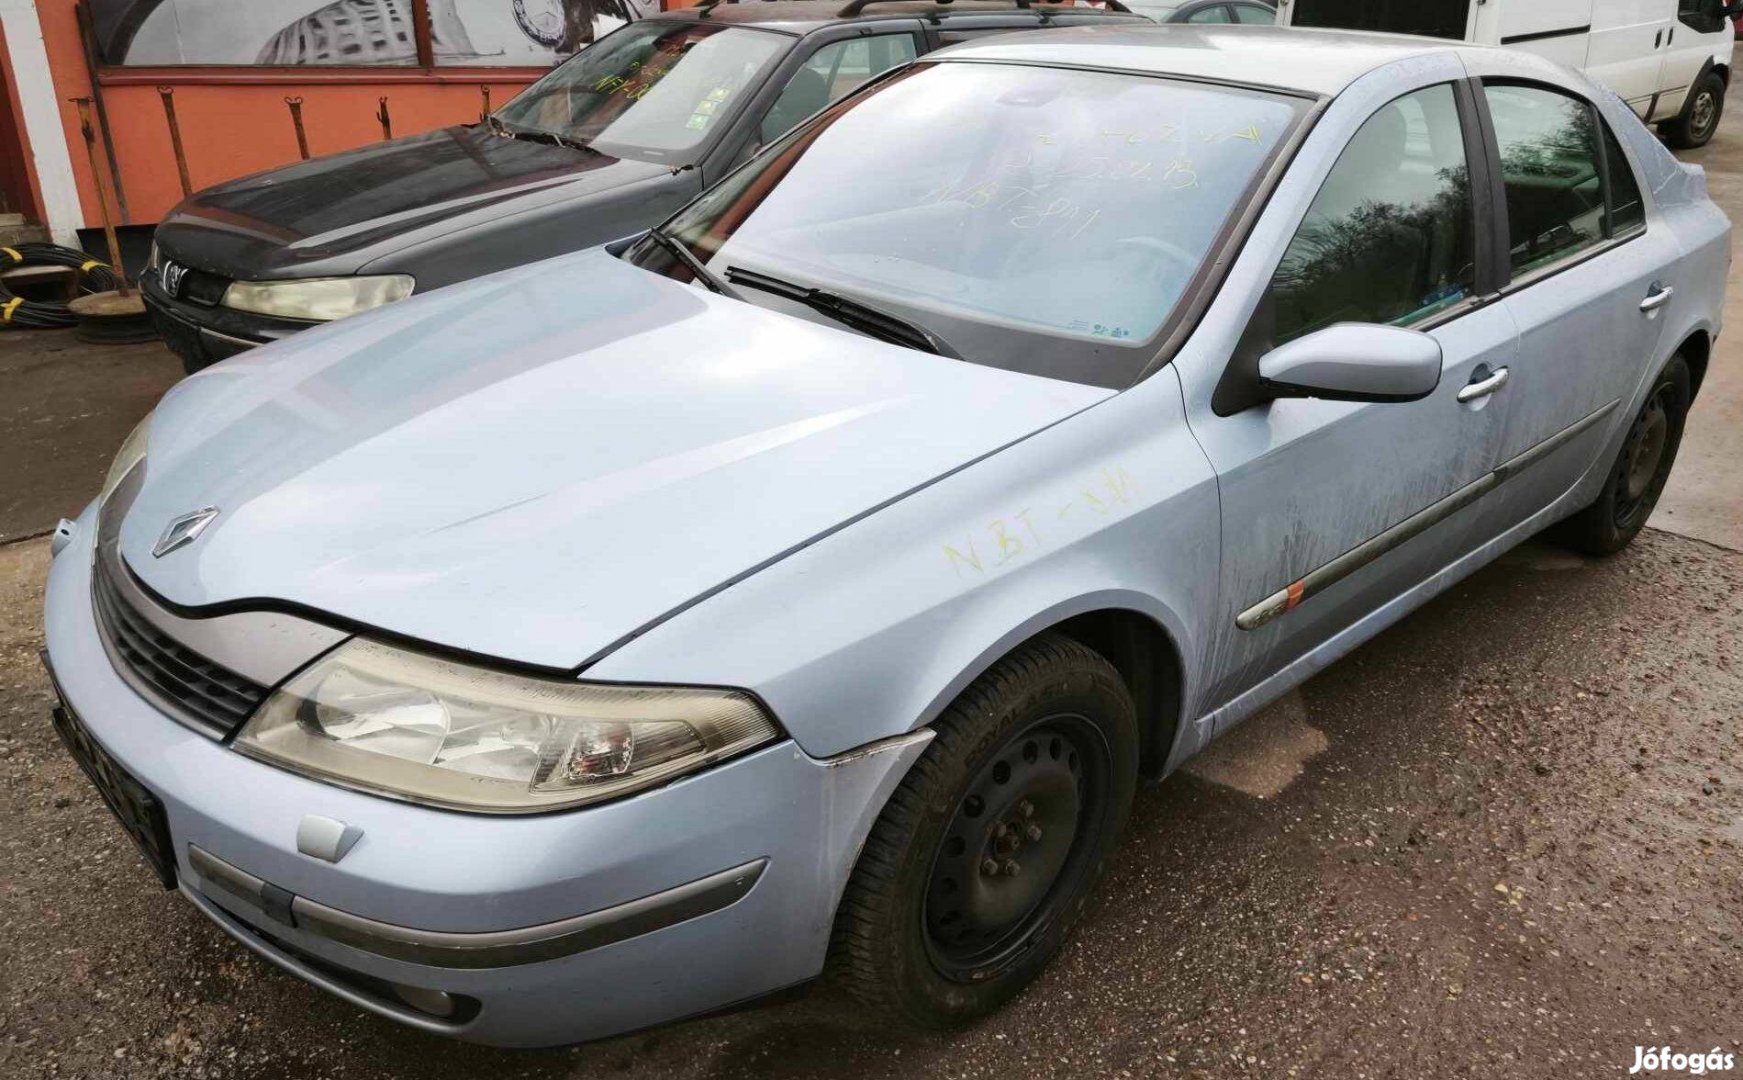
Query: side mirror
1354	362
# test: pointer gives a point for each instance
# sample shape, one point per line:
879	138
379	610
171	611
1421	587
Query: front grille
210	694
204	288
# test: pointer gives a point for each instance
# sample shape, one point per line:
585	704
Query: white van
1669	59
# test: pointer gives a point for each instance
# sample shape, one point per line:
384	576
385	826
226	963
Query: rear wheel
1640	470
986	853
1700	114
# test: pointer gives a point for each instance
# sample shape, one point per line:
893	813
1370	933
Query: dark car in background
608	143
1249	12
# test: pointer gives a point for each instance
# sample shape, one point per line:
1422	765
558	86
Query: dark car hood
278	223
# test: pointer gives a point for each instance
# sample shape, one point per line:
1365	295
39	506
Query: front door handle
1657	298
1482	388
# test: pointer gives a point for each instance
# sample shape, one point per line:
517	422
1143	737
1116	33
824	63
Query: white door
1698	32
1626	50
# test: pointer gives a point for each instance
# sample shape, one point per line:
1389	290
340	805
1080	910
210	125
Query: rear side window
1390	236
1254	15
1217	14
1627	210
1551	146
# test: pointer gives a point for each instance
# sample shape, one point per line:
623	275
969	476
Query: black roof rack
854	7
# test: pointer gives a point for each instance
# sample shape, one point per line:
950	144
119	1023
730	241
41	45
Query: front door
1586	273
1323	502
1699	31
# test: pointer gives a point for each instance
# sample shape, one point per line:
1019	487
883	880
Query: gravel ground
1503	839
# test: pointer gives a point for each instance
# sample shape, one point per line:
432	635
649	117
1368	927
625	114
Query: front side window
830	73
651	90
1390	237
1702	16
1549	144
1037	219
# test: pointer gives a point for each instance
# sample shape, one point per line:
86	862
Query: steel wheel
1703	115
1645	465
1011	844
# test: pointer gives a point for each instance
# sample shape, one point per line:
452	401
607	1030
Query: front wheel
987	851
1639	473
1699	119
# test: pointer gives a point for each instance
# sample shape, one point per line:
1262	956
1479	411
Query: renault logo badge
184	531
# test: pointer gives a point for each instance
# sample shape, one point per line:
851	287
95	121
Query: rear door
1587	284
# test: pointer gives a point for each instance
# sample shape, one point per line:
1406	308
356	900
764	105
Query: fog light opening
437	1003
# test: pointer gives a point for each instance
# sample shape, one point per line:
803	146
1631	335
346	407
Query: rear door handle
1482	388
1657	298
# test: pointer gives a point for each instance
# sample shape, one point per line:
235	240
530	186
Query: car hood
537	464
354	203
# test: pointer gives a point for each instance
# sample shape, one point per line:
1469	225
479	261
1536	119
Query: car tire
1637	476
1700	115
987	852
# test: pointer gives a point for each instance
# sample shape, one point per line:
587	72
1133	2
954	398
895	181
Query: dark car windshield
651	90
1038	219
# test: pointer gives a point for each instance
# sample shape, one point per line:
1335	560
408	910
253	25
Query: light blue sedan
803	587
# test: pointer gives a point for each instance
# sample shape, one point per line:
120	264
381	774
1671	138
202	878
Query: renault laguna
802	588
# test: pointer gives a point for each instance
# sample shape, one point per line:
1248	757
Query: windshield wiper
502	127
681	251
868	320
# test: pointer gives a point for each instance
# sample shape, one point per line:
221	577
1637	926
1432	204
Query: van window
1390	238
1549	164
1429	18
1702	16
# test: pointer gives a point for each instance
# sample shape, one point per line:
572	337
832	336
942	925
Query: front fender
872	631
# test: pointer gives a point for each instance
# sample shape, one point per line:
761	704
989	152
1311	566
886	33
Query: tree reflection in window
1389	238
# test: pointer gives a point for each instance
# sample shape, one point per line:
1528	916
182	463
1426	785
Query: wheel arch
1151	666
1696	350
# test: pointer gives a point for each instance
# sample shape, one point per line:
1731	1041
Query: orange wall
241	125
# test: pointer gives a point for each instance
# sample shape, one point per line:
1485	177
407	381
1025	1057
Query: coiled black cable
16	312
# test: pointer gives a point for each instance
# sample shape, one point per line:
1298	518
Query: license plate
138	810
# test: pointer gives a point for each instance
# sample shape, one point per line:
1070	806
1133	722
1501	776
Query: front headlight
132	452
450	734
319	299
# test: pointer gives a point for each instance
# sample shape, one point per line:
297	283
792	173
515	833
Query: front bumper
203	335
446	877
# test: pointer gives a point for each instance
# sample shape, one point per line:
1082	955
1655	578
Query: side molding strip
489	949
1289	597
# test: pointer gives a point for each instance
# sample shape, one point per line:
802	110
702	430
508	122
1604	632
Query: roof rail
854	7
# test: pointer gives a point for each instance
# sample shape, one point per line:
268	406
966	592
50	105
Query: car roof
802	16
1317	62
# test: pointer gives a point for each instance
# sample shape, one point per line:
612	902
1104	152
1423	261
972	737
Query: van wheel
1700	114
986	853
1642	466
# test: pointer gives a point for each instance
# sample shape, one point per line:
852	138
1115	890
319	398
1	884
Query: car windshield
652	90
1037	219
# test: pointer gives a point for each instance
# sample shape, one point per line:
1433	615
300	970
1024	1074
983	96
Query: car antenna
707	6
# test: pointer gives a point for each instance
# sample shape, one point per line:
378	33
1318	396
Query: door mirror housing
1354	362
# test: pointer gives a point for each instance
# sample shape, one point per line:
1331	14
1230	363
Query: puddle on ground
1266	754
1535	556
